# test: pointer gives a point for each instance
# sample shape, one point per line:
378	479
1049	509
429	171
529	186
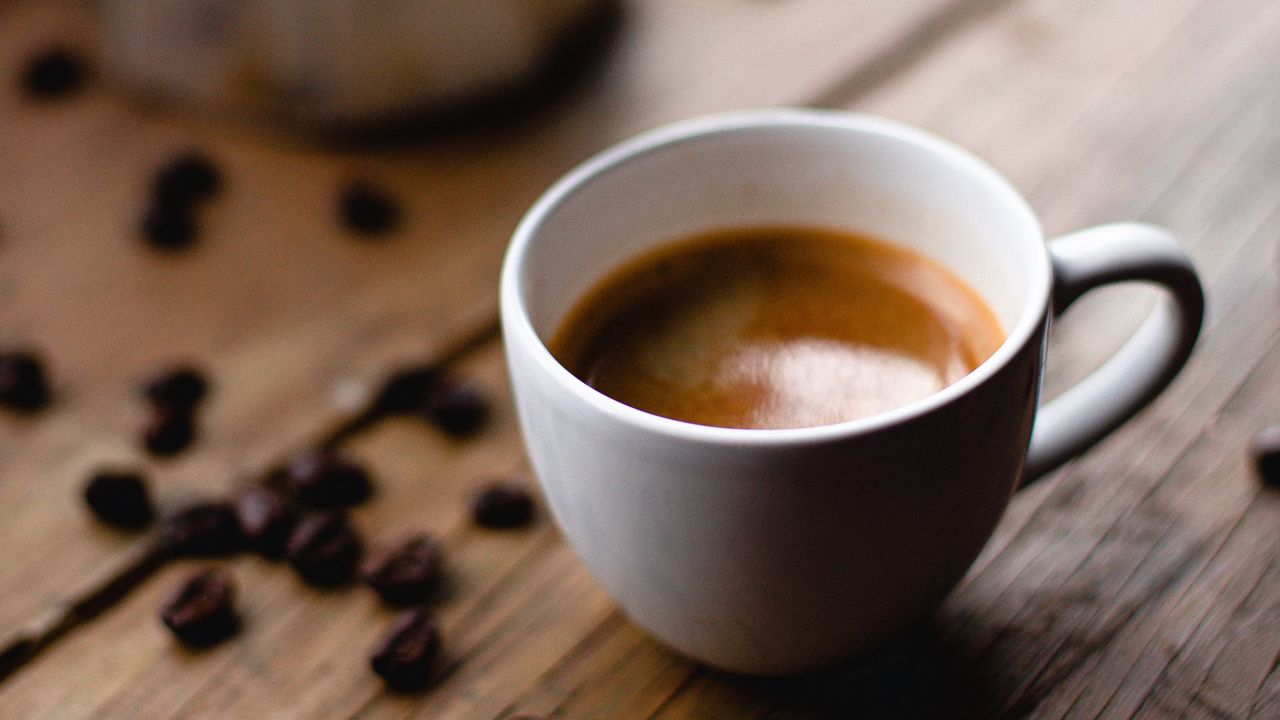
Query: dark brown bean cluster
502	504
179	187
180	387
173	397
407	573
168	432
24	385
120	497
327	479
405	390
366	210
1266	455
296	513
205	529
54	73
201	611
404	656
267	515
456	407
324	549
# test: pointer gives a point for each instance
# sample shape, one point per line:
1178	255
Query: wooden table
1141	580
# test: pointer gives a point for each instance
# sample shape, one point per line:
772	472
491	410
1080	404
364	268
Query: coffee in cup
776	327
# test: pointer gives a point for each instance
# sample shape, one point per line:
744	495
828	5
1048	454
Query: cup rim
518	327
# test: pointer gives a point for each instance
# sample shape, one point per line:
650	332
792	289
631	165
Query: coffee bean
178	388
458	408
169	227
204	529
502	504
324	549
201	611
186	179
404	656
329	479
120	498
405	574
267	517
366	210
54	73
1266	455
23	384
168	431
405	390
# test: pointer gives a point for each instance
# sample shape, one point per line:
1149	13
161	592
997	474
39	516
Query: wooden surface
1142	580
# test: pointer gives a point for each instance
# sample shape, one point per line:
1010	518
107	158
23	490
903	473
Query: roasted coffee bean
178	388
186	179
502	504
329	479
23	383
267	516
54	73
366	210
204	529
324	549
405	574
201	611
1266	455
405	390
458	408
169	227
404	656
168	431
277	478
120	498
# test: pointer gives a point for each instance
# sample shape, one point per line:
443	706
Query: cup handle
1071	423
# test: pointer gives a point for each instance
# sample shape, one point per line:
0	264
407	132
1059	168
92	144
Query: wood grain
1082	562
276	301
1140	581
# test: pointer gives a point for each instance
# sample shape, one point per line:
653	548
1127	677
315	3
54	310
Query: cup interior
799	168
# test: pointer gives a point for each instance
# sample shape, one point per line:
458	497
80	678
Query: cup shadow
914	676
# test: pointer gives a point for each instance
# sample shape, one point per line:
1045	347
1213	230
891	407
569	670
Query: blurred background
370	161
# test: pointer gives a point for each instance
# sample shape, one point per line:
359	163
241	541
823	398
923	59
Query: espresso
776	328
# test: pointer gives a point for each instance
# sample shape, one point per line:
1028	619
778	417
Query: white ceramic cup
782	551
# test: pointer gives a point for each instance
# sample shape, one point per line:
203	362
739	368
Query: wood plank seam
1024	700
1199	698
611	622
1256	702
696	674
910	50
146	557
1222	539
1236	528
